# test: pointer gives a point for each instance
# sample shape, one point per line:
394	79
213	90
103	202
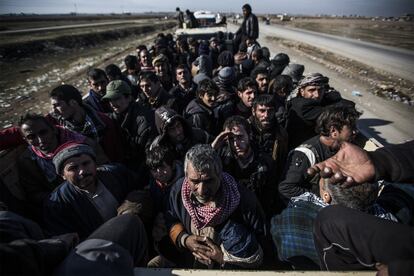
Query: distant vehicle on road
209	26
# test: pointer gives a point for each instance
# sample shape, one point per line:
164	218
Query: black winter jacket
250	27
302	115
295	180
182	97
137	127
200	116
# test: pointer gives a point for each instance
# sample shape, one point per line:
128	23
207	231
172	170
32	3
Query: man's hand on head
221	139
351	165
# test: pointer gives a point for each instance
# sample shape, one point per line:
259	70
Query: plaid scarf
202	215
93	126
88	128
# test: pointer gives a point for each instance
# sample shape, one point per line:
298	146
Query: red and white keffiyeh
202	215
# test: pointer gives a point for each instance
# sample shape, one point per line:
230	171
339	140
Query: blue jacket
69	210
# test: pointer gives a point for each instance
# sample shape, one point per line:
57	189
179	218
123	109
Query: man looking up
261	76
267	135
246	91
185	89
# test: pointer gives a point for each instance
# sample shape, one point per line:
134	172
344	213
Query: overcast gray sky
311	7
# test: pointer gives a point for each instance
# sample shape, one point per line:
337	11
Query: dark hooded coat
164	117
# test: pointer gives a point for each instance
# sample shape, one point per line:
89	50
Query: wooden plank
191	272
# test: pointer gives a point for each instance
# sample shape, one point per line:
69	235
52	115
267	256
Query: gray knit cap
69	150
226	75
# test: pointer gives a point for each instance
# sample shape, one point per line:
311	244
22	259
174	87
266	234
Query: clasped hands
204	249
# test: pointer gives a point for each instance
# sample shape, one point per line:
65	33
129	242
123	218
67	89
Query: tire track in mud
31	94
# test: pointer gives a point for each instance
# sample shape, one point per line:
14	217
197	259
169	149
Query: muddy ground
64	58
8	23
31	67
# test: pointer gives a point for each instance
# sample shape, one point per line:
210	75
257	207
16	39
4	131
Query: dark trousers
129	232
347	239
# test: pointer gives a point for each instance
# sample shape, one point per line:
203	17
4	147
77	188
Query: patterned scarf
202	215
93	127
313	79
87	128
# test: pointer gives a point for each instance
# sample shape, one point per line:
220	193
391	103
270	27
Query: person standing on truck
179	15
249	28
190	20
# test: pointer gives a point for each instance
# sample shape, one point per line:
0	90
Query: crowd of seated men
197	156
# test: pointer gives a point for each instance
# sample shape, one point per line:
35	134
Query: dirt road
399	62
387	121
